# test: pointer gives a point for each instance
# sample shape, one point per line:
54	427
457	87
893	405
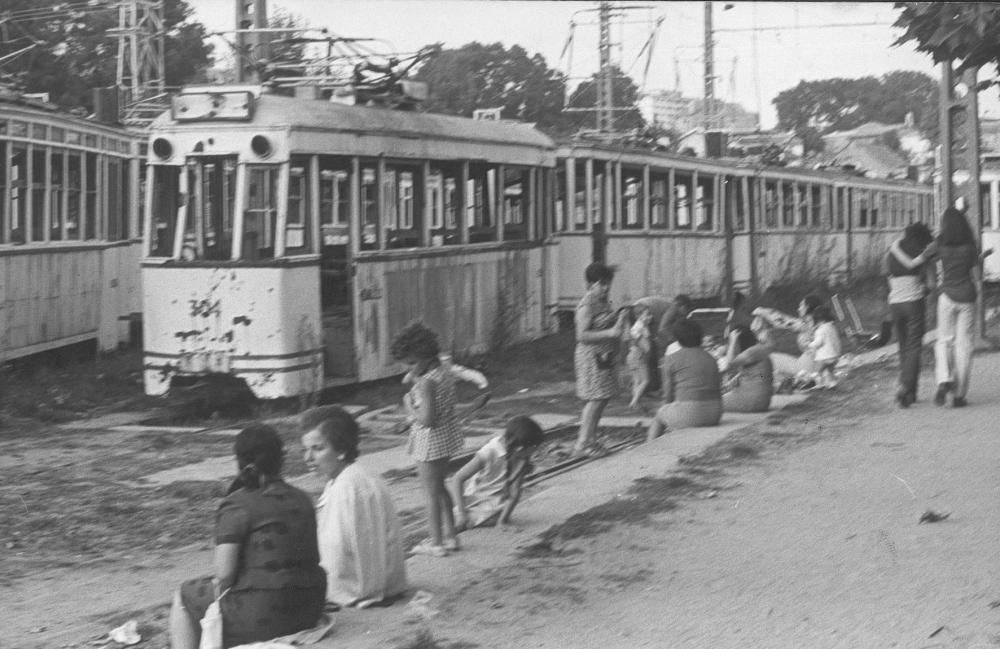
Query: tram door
335	270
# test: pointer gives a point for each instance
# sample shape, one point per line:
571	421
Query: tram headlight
162	148
261	146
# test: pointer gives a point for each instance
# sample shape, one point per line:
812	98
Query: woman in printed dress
598	338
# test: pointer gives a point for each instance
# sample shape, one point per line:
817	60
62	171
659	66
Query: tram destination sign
228	106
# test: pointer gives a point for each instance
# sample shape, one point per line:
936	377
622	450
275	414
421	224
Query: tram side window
298	230
442	201
817	194
74	196
56	190
4	215
117	214
90	215
18	193
39	172
261	215
705	204
165	202
632	203
369	209
658	204
863	209
218	200
770	205
787	205
682	200
579	204
516	203
479	205
802	205
401	194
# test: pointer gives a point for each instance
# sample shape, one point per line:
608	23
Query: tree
624	93
492	76
961	31
75	49
813	108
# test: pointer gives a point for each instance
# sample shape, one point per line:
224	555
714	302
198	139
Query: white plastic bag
211	627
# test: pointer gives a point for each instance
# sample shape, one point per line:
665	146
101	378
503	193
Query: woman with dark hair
908	286
692	387
267	575
360	544
598	337
751	373
958	259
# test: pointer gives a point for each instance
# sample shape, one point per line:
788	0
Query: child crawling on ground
488	487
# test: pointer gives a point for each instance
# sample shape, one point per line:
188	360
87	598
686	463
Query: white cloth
826	342
360	544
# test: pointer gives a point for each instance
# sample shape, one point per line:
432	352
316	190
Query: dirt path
799	532
816	542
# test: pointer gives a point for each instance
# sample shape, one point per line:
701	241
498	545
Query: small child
489	485
639	347
825	346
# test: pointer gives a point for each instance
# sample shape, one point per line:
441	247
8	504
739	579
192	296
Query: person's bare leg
591	416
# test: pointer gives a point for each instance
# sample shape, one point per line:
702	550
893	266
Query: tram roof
277	110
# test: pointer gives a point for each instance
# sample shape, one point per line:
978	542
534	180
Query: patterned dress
443	439
595	362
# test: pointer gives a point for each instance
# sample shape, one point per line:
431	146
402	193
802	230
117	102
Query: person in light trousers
958	270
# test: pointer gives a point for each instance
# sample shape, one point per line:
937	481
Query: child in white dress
825	346
488	487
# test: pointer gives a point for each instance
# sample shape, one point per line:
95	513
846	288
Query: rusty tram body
287	239
69	229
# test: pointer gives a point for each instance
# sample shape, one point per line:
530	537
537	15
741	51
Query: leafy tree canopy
492	76
813	108
75	51
965	32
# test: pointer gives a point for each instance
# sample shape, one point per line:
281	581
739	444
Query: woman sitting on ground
751	375
267	574
360	544
788	368
692	391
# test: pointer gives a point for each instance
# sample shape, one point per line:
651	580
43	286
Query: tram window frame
402	207
298	231
36	194
480	203
443	199
165	204
114	190
90	214
370	199
787	197
74	193
56	187
516	202
864	201
576	218
217	196
632	200
772	205
18	192
261	210
815	206
658	212
683	200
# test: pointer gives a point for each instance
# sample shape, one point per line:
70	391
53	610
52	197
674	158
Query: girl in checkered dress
434	433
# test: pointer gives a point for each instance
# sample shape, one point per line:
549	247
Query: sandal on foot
451	545
430	549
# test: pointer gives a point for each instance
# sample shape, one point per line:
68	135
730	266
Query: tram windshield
201	198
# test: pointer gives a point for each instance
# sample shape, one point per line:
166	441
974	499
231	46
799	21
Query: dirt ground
802	531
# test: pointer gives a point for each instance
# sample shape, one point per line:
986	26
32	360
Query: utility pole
250	47
959	125
605	98
140	73
709	107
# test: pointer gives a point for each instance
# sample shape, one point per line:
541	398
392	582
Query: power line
778	28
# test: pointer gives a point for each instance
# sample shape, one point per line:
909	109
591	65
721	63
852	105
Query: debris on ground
126	634
931	516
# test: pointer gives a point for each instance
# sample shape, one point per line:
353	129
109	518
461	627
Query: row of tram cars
283	240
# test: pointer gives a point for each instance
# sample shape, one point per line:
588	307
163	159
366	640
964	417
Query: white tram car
287	239
69	229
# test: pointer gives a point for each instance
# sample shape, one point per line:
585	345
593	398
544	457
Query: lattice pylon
140	69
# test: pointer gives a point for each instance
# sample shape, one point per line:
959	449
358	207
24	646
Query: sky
761	48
